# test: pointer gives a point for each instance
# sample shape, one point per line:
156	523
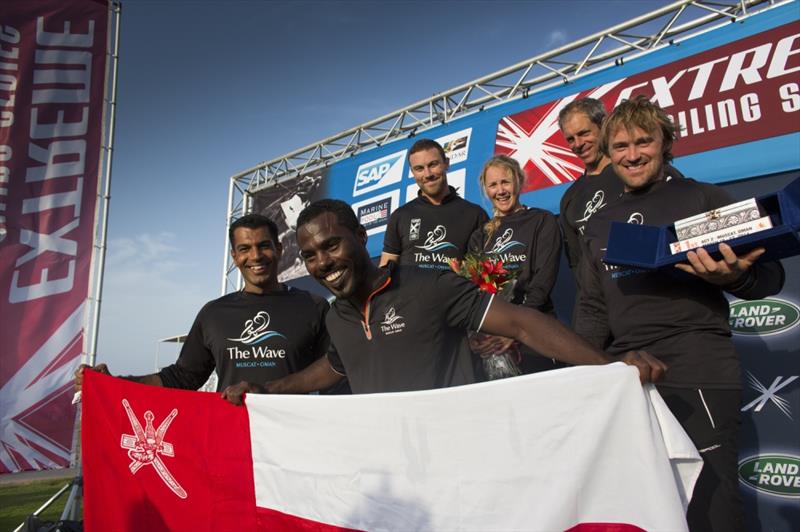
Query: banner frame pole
73	507
101	246
225	254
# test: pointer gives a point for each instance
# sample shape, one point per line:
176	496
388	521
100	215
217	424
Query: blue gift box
647	246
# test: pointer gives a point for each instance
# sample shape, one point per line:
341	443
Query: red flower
483	270
487	287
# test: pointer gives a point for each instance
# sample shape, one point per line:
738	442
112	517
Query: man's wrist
743	282
257	388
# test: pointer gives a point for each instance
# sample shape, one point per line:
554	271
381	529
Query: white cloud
154	286
143	249
556	38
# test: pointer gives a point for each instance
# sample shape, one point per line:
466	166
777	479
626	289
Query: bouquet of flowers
499	356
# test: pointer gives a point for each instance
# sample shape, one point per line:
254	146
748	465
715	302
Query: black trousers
711	418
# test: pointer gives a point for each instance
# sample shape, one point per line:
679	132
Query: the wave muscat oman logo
392	322
504	242
776	474
146	444
436	240
255	330
379	173
762	317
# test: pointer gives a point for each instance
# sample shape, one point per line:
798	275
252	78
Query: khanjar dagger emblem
145	446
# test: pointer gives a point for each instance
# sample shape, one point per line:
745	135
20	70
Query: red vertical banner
52	85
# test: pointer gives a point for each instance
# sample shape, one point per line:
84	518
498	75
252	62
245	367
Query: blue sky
210	88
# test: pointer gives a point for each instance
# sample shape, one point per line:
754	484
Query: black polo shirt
676	317
428	235
414	333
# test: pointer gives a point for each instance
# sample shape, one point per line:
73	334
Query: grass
17	501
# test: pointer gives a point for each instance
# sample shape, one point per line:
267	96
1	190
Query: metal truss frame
641	35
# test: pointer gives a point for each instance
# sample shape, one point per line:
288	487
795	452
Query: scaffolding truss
655	30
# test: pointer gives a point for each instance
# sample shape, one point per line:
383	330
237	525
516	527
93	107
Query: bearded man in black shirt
435	227
679	316
399	328
252	335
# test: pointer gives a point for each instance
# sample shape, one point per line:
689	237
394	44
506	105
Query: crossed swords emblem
146	444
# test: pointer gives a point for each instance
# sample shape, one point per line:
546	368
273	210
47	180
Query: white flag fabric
542	452
584	449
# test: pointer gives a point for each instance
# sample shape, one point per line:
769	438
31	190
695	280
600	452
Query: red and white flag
582	449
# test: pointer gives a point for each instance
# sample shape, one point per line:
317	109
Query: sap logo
763	317
380	173
776	474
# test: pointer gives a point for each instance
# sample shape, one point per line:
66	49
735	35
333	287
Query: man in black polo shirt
435	227
251	335
681	317
399	328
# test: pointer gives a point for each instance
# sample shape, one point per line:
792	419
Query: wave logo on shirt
504	242
436	240
763	317
255	330
597	202
392	323
636	218
776	474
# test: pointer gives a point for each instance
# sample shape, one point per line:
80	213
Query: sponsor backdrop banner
160	459
52	76
735	93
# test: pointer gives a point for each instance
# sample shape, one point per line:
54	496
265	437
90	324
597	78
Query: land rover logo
763	317
778	474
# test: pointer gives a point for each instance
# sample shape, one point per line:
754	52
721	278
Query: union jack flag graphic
533	138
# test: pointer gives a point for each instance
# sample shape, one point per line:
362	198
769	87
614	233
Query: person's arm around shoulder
544	245
481	218
386	258
570	234
591	312
392	243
